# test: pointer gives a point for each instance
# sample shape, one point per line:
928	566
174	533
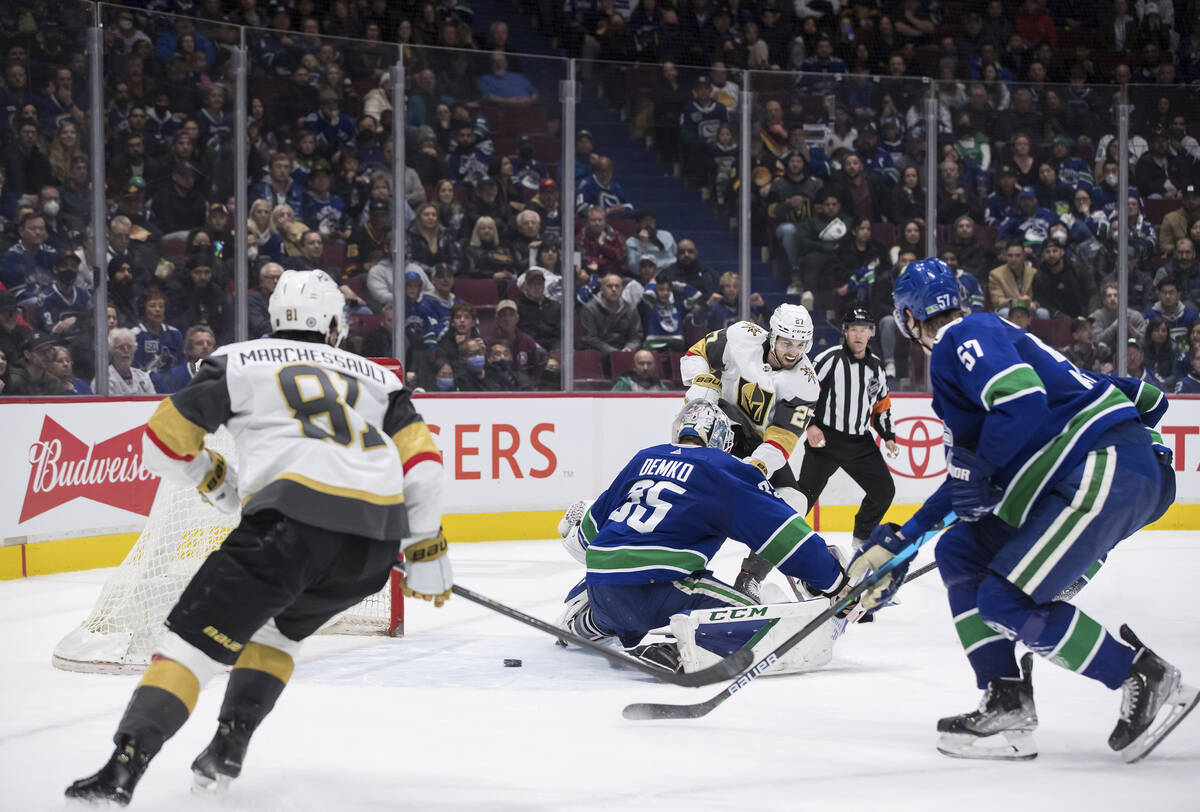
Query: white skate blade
1008	745
1178	705
217	787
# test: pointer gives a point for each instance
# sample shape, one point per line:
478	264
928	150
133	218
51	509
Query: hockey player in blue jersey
1048	468
647	539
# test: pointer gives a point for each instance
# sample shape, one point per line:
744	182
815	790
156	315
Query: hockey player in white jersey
339	474
766	384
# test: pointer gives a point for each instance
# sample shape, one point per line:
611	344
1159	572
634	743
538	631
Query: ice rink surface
434	721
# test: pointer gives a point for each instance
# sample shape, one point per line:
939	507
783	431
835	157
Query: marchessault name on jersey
315	355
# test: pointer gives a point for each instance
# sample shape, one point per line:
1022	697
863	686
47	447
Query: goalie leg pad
705	636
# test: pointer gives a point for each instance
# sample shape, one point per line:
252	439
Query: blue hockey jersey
1019	404
672	507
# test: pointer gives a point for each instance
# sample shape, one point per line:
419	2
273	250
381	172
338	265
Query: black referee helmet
858	314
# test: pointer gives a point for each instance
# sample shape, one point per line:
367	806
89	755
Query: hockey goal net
125	625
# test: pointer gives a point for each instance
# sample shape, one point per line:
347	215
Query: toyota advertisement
73	468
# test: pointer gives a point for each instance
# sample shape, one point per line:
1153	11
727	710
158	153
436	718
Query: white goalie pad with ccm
706	636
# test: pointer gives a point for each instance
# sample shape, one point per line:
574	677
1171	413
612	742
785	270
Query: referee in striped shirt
854	396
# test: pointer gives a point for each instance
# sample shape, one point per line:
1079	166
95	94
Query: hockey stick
731	666
640	711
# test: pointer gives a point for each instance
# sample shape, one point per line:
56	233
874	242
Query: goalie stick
641	711
731	666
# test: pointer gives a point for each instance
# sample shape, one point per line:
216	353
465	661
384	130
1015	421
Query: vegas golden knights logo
754	401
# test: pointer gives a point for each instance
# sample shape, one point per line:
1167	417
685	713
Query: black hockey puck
512	663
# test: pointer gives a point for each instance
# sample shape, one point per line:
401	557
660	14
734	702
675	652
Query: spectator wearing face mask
64	306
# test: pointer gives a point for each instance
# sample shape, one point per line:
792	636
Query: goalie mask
705	422
309	301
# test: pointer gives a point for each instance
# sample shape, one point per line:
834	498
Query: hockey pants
1001	581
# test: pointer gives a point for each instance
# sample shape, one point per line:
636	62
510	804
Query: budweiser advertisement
74	468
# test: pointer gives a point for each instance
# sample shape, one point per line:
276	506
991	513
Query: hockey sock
159	706
258	678
1057	631
991	654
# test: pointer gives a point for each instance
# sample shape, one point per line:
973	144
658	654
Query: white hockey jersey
777	404
324	436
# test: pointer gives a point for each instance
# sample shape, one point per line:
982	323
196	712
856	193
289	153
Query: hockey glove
881	547
704	387
219	486
427	571
972	494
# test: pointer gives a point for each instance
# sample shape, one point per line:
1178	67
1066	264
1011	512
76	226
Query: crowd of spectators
1027	93
1024	207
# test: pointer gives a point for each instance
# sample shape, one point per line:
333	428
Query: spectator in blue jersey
325	212
216	124
722	308
65	307
159	345
62	367
1031	224
662	318
198	344
1072	170
1189	384
1002	202
434	306
504	87
970	292
877	162
279	187
649	242
699	122
1179	317
823	60
333	129
468	161
28	265
1026	435
1052	193
601	190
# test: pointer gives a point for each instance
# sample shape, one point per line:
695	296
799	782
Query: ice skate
1153	701
117	779
221	762
663	655
577	619
1002	728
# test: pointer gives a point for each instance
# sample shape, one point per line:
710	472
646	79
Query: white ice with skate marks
435	721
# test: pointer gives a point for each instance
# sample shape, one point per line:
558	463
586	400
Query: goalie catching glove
427	571
881	547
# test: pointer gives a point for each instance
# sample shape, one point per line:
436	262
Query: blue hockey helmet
924	288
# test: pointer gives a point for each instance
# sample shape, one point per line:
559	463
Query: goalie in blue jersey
647	539
1048	469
